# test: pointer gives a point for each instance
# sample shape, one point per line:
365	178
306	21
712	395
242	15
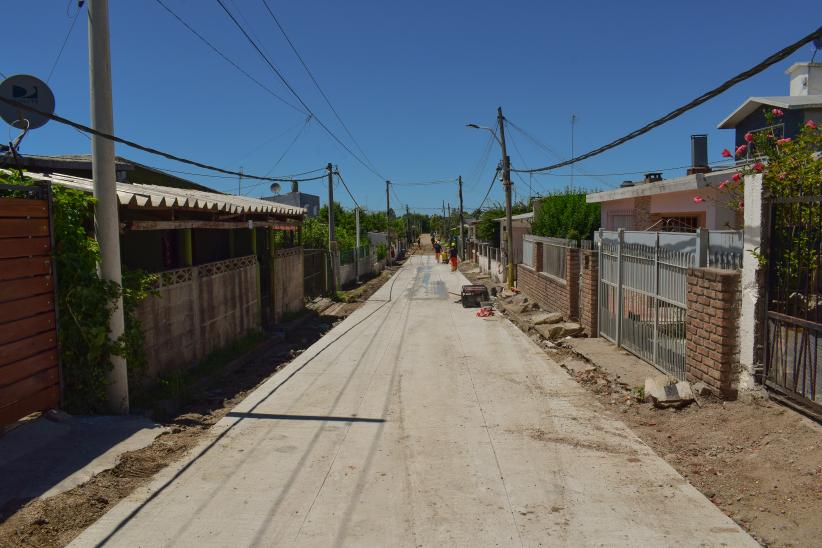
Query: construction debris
664	393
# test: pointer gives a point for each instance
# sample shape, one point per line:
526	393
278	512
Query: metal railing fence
643	288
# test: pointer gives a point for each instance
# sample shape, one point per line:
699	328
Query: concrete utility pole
106	219
388	218
506	183
357	254
332	238
462	219
407	226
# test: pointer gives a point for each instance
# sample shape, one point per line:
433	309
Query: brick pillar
642	213
572	282
588	291
711	324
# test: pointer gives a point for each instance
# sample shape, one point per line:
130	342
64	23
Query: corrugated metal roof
518	217
167	197
785	101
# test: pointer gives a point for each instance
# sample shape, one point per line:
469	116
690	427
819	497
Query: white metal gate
643	286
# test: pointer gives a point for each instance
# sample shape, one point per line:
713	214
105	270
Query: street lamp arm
493	132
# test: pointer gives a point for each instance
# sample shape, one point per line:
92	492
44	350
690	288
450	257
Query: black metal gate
315	273
793	300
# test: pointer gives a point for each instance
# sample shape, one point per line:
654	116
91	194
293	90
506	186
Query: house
227	265
309	202
521	225
804	103
668	204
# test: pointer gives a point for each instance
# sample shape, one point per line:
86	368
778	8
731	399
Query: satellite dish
275	188
30	91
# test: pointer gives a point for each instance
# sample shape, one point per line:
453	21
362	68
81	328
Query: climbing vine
84	303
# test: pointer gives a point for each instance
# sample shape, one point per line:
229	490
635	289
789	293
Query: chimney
653	177
805	78
699	155
295	187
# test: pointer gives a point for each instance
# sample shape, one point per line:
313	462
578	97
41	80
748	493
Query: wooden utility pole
332	239
106	215
462	219
388	217
506	183
407	226
357	244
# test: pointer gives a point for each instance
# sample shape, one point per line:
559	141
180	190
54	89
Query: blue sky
406	77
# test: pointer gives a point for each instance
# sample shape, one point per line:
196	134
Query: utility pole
106	218
448	232
506	183
388	218
407	226
357	253
332	238
462	219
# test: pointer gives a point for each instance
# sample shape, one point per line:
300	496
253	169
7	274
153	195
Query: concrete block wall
552	293
589	291
711	328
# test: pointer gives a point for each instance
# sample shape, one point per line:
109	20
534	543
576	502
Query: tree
566	214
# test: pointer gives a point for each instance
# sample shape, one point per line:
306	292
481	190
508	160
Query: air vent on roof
626	184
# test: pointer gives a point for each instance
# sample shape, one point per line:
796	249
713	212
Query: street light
506	183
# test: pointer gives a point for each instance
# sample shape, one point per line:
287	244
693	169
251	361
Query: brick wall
711	323
588	291
552	294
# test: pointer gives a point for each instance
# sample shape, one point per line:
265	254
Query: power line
521	157
775	58
496	173
316	84
132	144
641	172
65	40
427	183
177	171
348	190
293	91
290	145
227	59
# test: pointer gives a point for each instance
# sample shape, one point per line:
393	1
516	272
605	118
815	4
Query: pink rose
811	124
740	150
783	141
759	167
726	153
777	112
781	176
749	137
697	199
737	177
724	183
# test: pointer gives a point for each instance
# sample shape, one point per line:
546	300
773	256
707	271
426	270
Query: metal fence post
621	240
600	292
656	300
701	247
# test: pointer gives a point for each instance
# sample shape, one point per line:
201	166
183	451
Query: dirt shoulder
57	520
759	462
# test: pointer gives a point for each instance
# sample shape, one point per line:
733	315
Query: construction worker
437	250
452	253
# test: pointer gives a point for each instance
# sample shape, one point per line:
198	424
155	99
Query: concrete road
415	423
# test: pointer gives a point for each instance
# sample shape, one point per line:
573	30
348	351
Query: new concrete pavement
415	423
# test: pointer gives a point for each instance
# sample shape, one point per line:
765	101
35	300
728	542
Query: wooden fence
29	366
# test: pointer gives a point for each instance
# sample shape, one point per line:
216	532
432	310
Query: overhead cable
229	60
132	144
294	92
65	40
771	60
316	84
488	192
348	190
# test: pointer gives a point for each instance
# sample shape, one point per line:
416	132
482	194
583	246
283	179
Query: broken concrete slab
701	389
559	330
667	394
546	318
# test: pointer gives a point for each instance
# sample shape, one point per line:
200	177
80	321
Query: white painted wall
752	240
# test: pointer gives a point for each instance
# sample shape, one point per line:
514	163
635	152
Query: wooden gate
315	273
29	370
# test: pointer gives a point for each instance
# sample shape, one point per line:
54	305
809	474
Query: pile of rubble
529	317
